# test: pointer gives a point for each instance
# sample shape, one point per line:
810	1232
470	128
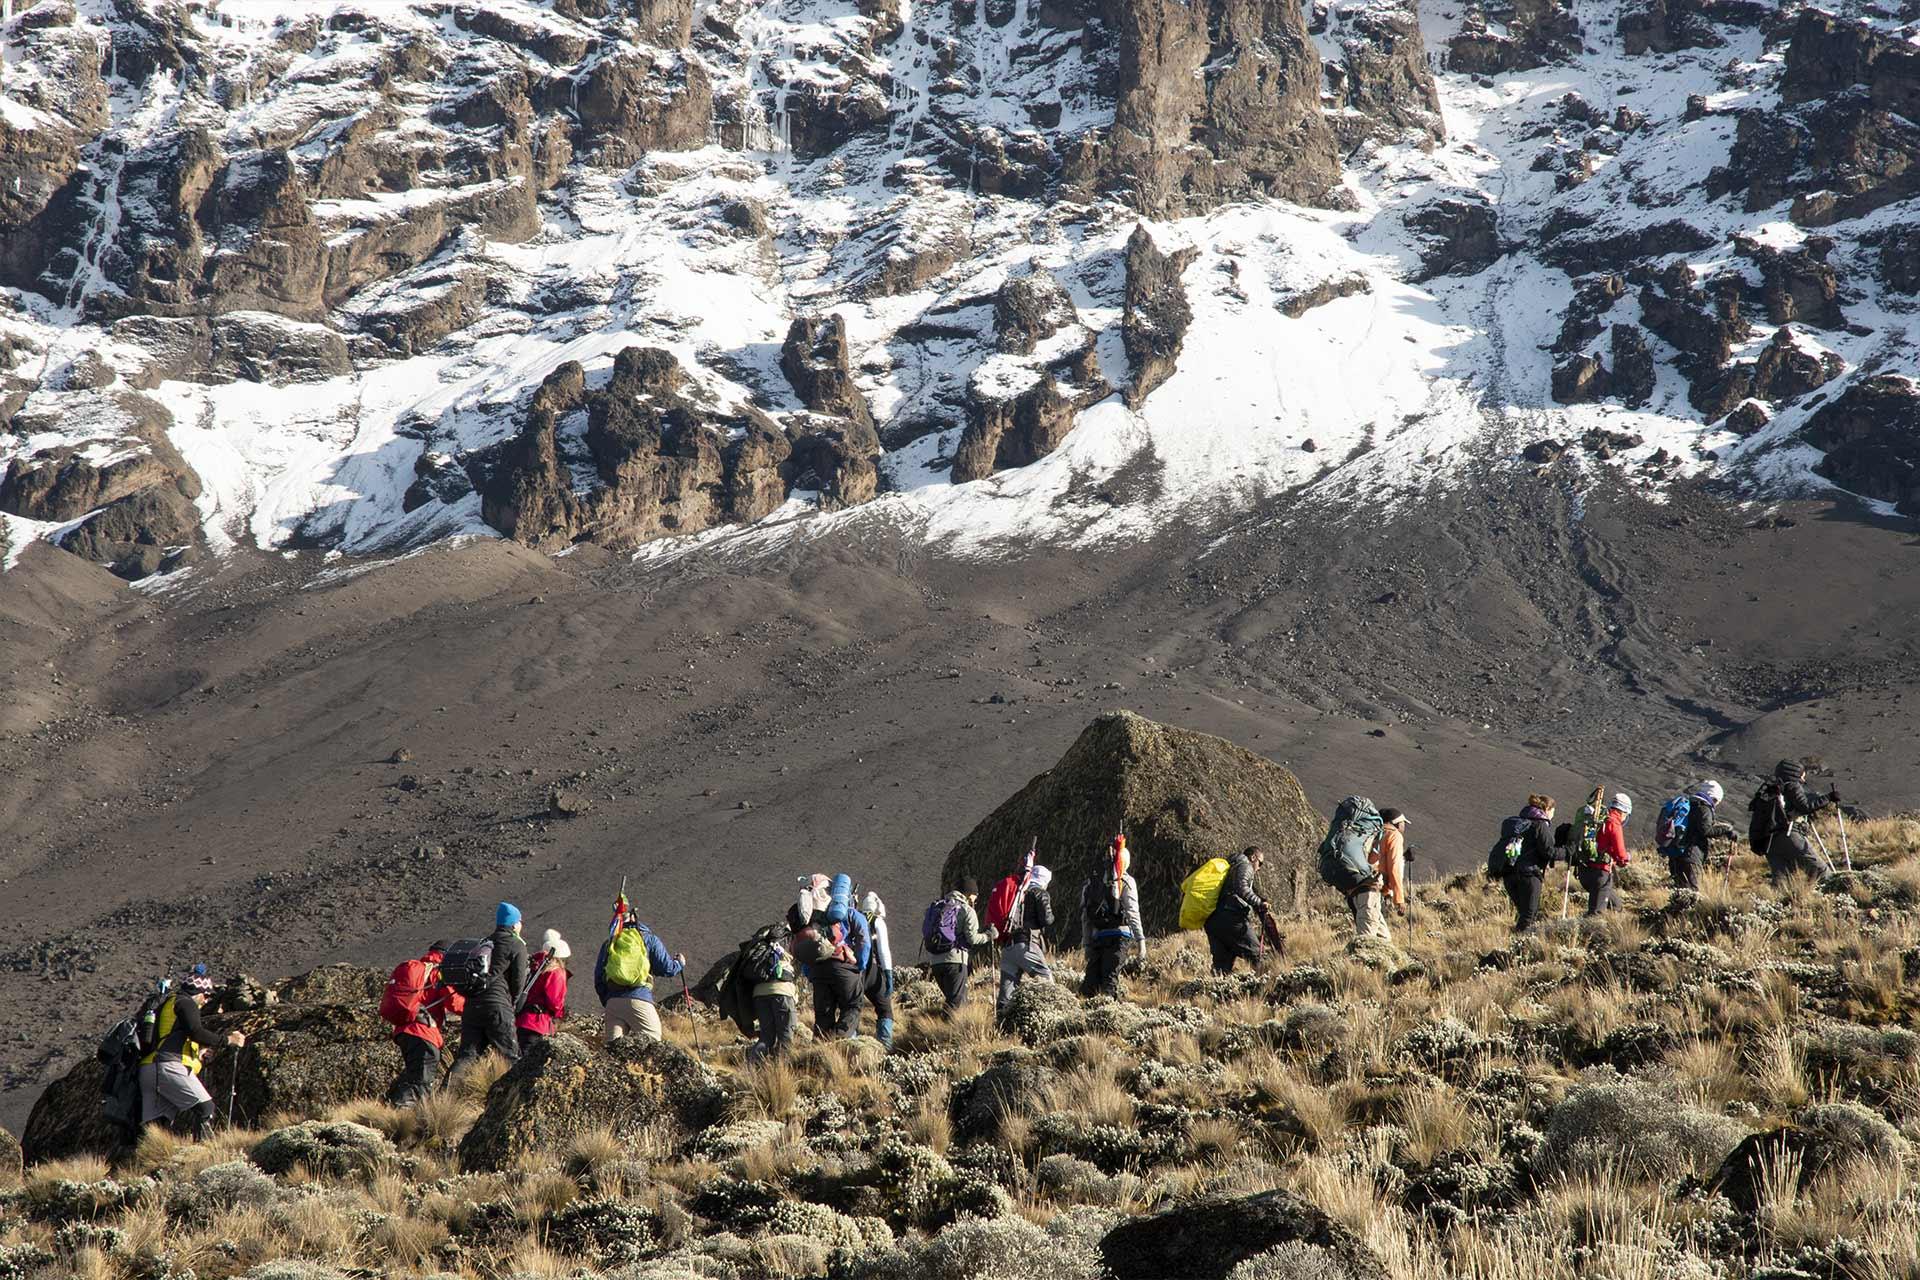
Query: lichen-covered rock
1207	1238
979	1103
333	1148
561	1089
1183	797
320	1044
11	1161
1823	1139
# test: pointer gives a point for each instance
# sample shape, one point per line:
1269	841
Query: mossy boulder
1204	1239
562	1088
1182	797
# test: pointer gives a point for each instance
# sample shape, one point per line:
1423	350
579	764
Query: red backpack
1002	902
406	992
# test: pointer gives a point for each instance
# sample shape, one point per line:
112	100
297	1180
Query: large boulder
1871	434
1181	797
1156	315
1207	1238
562	1088
319	1044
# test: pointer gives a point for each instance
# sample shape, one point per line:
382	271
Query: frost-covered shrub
295	1269
1004	1249
1855	1130
232	1184
337	1148
1295	1260
1637	1130
607	1231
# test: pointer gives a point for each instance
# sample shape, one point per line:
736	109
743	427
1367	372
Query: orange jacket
1389	858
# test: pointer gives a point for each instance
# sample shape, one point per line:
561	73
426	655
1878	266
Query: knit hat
1711	791
1790	771
1623	802
505	916
198	981
555	945
1042	877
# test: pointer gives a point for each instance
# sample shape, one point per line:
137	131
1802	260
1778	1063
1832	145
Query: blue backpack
1670	829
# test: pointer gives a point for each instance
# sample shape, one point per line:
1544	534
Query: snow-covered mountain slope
369	275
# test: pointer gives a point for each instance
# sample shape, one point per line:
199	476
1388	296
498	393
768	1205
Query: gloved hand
1833	795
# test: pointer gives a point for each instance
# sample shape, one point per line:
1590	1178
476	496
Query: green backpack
627	964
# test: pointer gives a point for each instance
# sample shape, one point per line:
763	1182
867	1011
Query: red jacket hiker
1612	839
546	1001
438	1001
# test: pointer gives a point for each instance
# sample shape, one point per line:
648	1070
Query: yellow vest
163	1027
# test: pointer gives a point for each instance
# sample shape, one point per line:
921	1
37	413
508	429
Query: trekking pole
1821	844
1846	850
1566	888
686	996
233	1082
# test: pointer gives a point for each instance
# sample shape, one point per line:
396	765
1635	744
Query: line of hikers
838	939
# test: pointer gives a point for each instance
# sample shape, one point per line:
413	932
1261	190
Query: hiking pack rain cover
1200	892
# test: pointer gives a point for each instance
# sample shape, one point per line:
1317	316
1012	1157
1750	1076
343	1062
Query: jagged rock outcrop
1900	258
1871	434
1022	402
1664	26
1154	321
561	1088
1383	82
1632	378
53	73
321	1043
1536	32
240	346
814	358
635	100
1215	100
1459	236
641	455
113	460
1787	369
1209	1237
1580	380
1181	797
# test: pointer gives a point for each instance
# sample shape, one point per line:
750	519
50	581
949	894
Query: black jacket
1238	898
1536	844
507	977
1699	823
1036	918
186	1026
1798	803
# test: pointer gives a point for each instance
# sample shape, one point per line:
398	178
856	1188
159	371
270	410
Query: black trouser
1104	959
1598	882
879	992
952	981
195	1122
487	1024
1683	868
1524	889
418	1075
526	1038
1231	937
773	1018
1790	854
836	1000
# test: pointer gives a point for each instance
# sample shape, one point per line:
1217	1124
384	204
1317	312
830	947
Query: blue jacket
659	959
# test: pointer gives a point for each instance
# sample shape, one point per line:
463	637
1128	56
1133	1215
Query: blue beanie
506	915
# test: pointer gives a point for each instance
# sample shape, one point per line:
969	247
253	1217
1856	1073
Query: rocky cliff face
879	248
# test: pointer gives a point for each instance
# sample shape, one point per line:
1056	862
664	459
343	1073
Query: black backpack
467	966
1765	808
1105	913
758	961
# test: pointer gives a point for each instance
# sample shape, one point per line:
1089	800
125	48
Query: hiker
1025	955
417	1003
776	1005
1231	929
1610	854
494	992
833	954
1110	914
1520	858
1781	809
879	980
628	1009
544	1001
948	934
1685	832
170	1089
1390	860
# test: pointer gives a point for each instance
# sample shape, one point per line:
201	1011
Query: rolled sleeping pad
840	899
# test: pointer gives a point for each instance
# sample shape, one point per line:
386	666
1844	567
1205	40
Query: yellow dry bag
1200	892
